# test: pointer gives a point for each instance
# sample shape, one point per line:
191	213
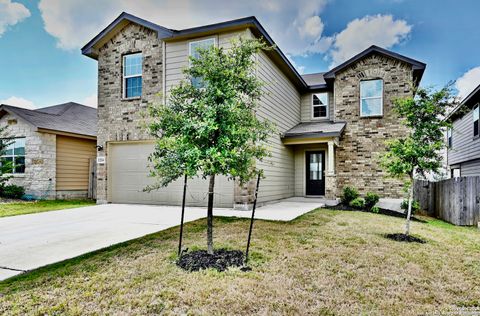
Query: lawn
20	208
326	262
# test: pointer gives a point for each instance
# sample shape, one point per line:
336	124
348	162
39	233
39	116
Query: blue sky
42	65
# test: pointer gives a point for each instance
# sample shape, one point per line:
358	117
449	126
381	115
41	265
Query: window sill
320	118
131	99
15	175
371	116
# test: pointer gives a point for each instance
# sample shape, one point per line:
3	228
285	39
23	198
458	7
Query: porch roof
315	130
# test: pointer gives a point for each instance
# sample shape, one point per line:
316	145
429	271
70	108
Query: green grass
20	208
323	263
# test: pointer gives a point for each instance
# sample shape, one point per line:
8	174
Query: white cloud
296	26
11	13
91	100
381	30
467	82
20	102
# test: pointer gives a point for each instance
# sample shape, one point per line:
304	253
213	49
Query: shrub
12	191
375	209
357	203
415	206
370	200
349	194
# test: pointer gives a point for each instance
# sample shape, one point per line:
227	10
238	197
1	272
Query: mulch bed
343	207
221	260
404	238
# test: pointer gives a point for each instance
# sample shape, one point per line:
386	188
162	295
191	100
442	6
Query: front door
315	176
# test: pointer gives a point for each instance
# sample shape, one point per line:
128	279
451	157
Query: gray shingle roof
67	117
316	129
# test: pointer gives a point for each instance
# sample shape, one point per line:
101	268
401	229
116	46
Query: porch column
331	158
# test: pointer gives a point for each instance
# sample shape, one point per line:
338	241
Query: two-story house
332	125
463	139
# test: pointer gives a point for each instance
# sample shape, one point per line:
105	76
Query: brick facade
39	179
123	119
363	141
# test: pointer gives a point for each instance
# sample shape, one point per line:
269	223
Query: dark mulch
404	238
221	260
343	207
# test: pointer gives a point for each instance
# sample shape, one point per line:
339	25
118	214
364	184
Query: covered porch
314	145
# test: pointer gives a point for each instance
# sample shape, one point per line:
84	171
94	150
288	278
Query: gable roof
469	101
119	23
317	81
417	66
71	117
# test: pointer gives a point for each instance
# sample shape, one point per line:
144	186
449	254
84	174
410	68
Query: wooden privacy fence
456	200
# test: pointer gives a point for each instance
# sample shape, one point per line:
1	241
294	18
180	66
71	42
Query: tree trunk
409	210
210	215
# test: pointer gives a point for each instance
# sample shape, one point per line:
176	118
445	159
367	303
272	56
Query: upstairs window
449	138
14	155
476	125
132	75
371	98
194	52
320	105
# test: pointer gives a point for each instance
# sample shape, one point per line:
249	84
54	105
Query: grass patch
327	262
21	208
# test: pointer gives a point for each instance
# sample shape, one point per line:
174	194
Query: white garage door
129	175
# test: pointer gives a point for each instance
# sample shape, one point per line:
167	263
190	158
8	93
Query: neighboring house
332	125
463	140
51	148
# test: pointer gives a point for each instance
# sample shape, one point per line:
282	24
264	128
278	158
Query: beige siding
176	54
73	158
300	165
306	108
281	105
464	146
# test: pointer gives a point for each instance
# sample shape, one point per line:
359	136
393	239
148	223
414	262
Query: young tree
209	125
420	151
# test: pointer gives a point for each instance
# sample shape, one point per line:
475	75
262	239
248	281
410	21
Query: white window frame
369	98
476	108
124	92
199	41
327	107
13	155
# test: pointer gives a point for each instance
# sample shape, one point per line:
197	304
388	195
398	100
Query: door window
316	166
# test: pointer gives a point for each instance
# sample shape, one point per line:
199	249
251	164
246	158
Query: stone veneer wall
122	119
40	158
364	138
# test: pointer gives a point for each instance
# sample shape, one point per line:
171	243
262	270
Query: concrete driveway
31	241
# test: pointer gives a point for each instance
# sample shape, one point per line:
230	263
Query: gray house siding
464	146
470	168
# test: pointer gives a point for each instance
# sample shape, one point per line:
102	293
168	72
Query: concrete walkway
31	241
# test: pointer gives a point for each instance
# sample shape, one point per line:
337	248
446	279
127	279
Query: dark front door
315	172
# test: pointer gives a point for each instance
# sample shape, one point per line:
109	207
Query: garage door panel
129	175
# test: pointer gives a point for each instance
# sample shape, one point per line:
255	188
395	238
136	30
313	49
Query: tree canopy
212	128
